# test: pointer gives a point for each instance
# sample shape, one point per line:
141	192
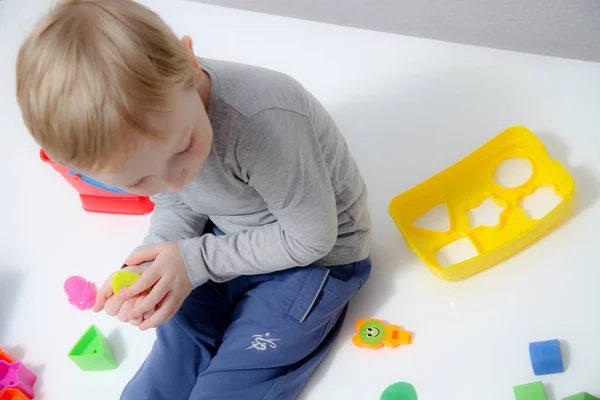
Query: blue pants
255	337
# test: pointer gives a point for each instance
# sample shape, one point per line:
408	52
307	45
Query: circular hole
95	351
12	383
513	173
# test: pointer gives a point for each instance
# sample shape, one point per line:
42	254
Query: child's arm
171	220
280	156
289	171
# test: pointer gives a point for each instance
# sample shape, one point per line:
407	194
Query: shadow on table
565	350
550	391
10	285
586	182
38	370
117	342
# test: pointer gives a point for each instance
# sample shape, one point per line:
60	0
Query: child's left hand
168	278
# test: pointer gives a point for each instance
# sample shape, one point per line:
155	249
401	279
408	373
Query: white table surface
409	108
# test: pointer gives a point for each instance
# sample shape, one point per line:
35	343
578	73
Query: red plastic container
97	197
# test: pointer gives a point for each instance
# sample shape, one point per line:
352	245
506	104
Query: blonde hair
88	74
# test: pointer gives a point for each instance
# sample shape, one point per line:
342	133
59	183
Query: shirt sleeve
172	220
279	156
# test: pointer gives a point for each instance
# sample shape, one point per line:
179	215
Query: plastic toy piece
530	391
93	352
582	396
464	187
12	394
97	197
4	356
82	294
400	391
16	375
545	357
124	278
373	334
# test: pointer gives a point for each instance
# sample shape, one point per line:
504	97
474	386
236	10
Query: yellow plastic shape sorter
479	182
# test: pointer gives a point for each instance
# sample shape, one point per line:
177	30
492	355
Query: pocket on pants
307	298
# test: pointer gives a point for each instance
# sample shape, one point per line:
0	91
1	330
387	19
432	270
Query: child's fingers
149	314
146	280
104	293
123	314
158	292
146	254
113	305
162	314
137	321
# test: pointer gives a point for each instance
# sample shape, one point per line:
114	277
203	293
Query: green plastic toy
122	279
372	332
581	396
530	391
400	391
93	352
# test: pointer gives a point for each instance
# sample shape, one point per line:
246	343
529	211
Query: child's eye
137	184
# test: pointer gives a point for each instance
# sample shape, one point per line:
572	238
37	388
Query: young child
260	235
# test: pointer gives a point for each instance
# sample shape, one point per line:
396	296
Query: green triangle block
400	391
530	391
581	396
93	352
122	279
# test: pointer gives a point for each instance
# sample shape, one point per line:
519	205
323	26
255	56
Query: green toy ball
400	391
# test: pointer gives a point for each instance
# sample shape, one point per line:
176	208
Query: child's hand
168	278
115	305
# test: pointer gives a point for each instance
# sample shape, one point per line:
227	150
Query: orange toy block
4	356
12	394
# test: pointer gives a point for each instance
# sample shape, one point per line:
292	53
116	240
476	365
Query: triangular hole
436	219
90	344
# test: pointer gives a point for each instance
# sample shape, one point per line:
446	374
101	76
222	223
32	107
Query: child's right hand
115	306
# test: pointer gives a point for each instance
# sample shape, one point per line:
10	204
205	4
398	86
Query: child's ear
189	47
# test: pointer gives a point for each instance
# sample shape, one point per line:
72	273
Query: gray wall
564	28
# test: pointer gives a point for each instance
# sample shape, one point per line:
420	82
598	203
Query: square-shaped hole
456	252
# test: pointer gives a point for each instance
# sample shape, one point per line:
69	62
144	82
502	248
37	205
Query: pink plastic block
16	375
82	294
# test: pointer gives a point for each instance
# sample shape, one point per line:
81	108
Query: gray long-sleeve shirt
279	181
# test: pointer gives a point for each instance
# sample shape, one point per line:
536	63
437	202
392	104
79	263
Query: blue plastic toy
545	357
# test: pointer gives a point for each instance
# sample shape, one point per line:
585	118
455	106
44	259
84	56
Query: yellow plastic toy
472	183
373	334
122	279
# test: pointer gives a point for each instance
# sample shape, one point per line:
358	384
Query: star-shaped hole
487	214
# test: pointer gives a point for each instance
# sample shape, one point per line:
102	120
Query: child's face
168	165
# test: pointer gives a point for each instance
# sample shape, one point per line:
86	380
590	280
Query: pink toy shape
82	294
16	375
